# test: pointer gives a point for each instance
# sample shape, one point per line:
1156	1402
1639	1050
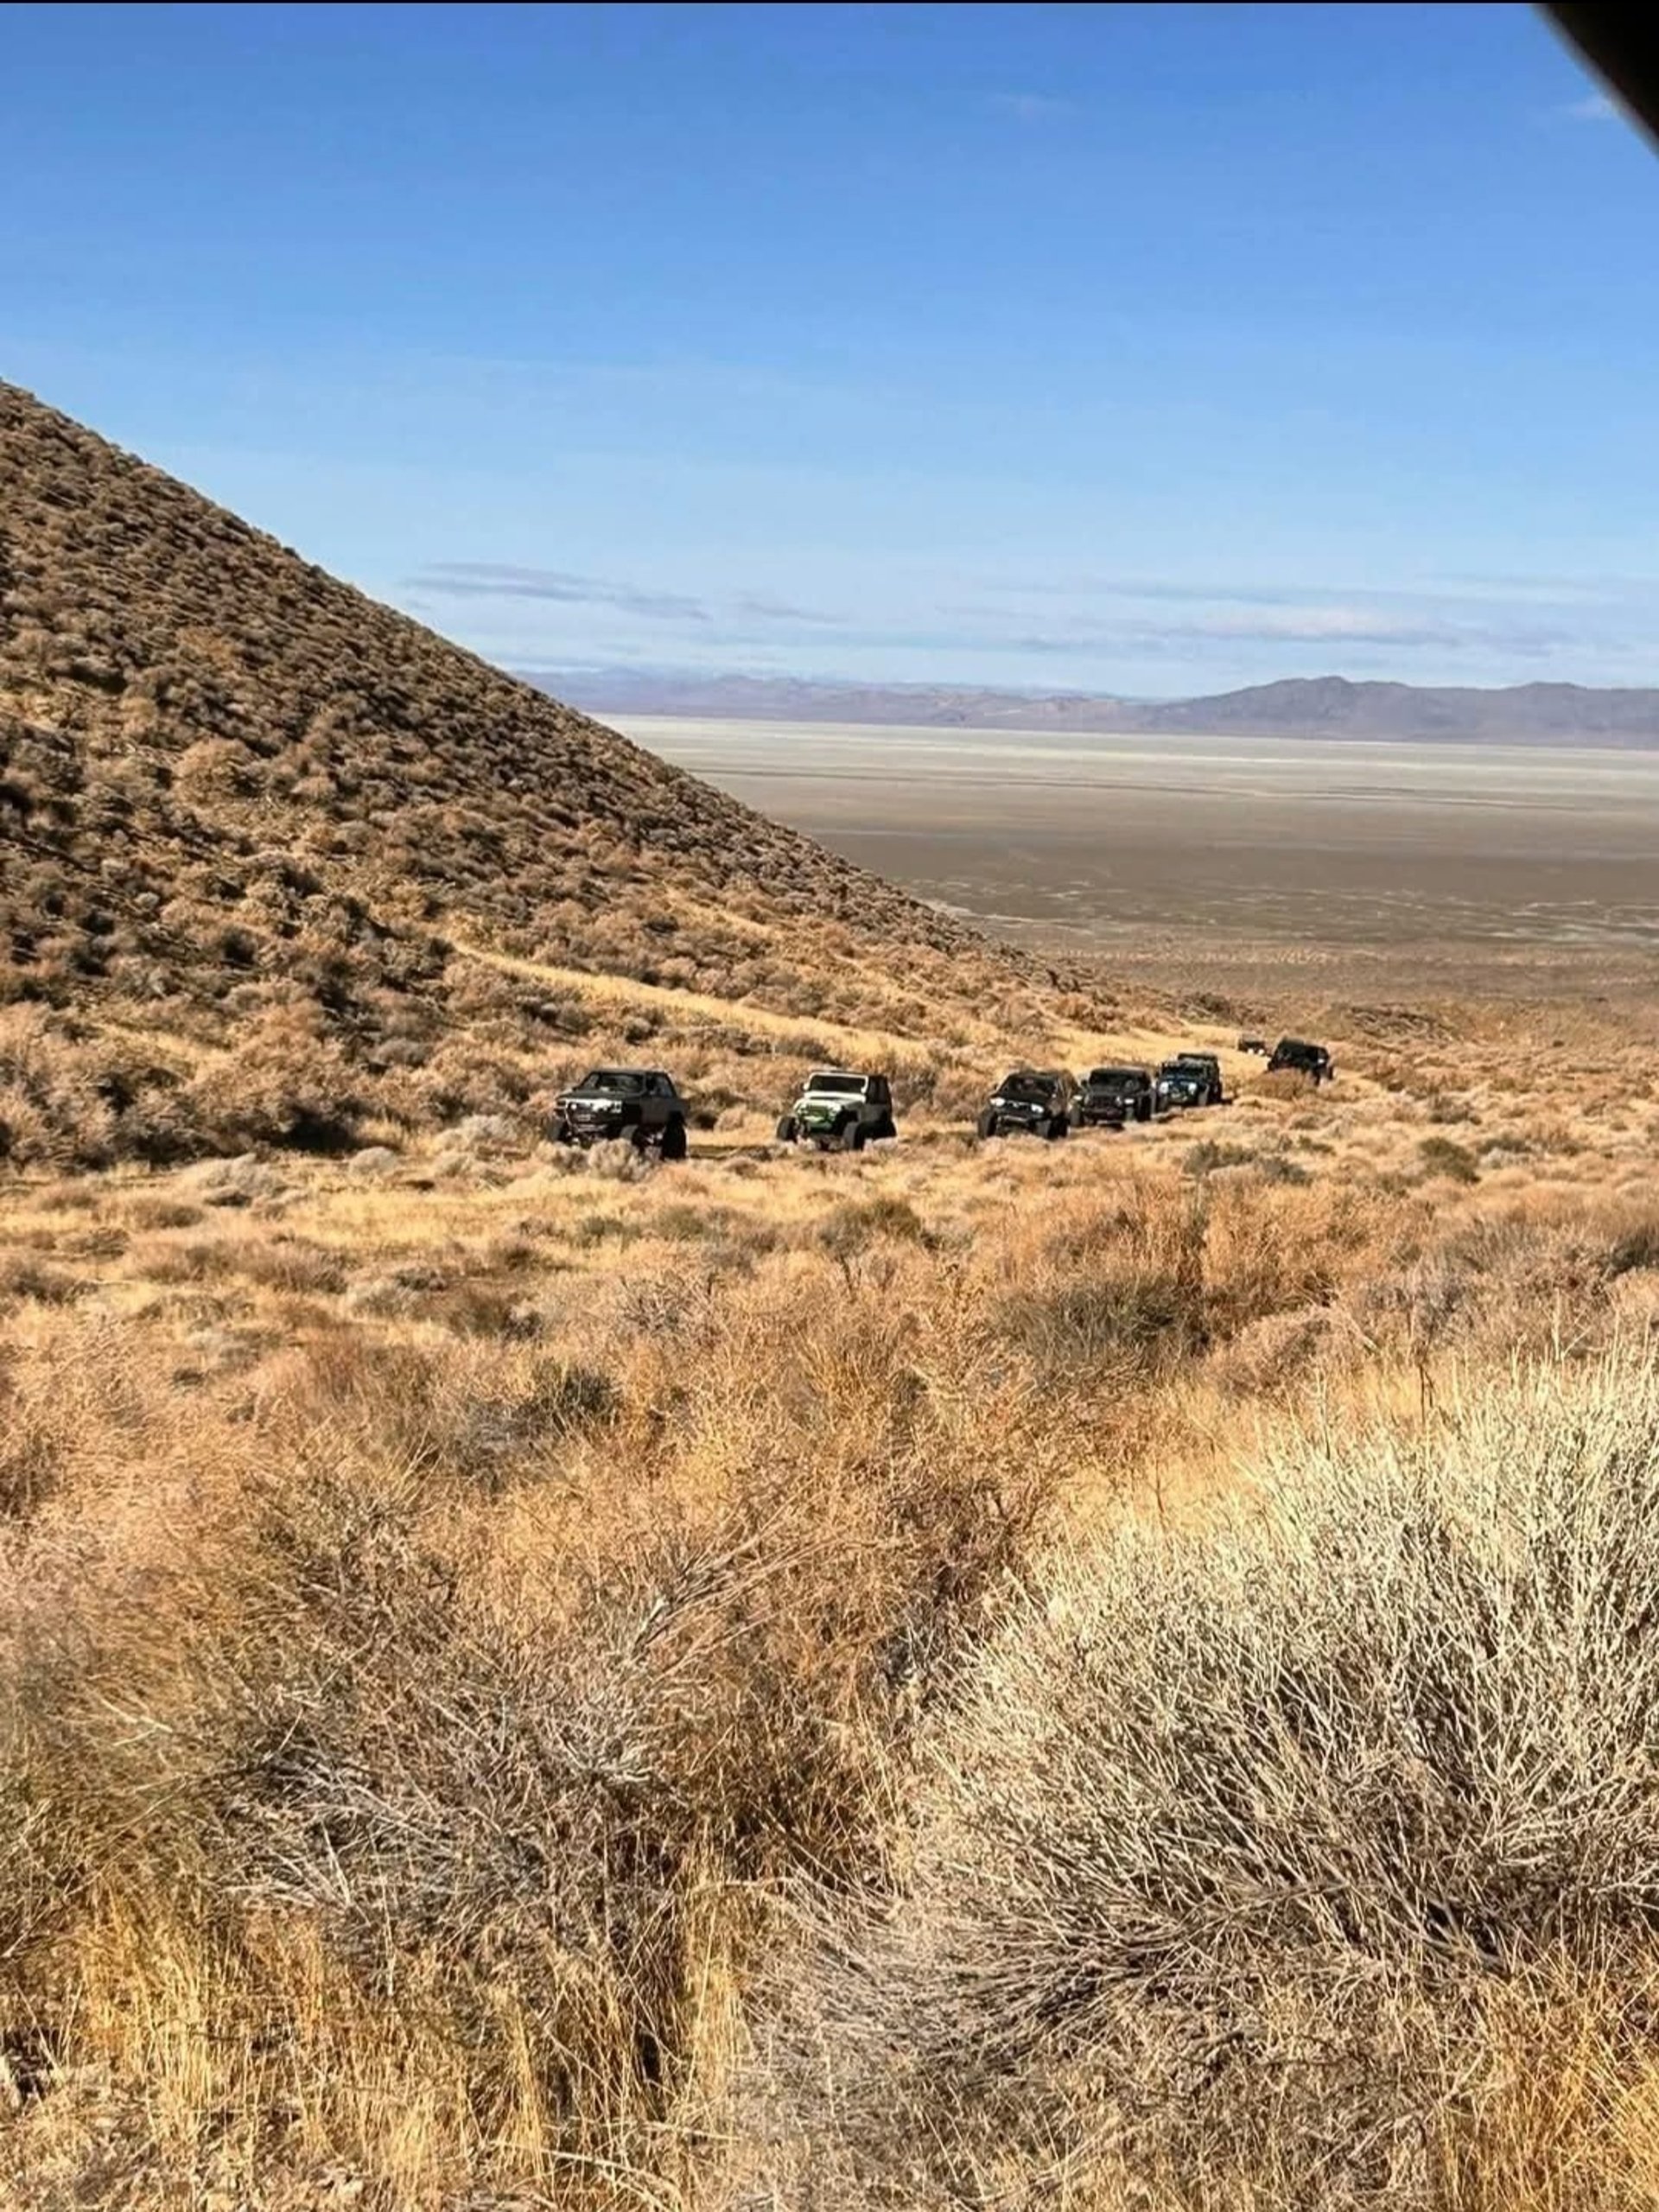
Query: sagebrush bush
1233	1834
1445	1156
286	1082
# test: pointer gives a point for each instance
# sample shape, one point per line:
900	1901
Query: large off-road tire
1142	1110
855	1137
987	1125
674	1140
1074	1117
1059	1126
885	1128
786	1129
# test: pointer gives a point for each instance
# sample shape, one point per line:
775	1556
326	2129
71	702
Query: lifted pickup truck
1296	1053
837	1107
639	1104
1034	1102
1107	1098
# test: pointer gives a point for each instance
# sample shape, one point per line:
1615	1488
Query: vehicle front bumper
577	1126
819	1124
1009	1119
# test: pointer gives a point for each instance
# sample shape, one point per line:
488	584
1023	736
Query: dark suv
1294	1052
1036	1101
1107	1097
1209	1067
638	1103
1181	1084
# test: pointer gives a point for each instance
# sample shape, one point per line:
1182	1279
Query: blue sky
1144	349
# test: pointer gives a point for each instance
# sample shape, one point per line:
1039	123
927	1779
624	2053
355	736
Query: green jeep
840	1109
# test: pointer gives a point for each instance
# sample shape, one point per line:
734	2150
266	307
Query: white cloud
1594	107
507	579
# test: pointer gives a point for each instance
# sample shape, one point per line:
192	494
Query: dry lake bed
1459	856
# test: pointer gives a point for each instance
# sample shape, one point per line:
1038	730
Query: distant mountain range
1322	706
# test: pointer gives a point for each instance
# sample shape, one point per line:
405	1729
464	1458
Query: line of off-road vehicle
841	1110
1051	1103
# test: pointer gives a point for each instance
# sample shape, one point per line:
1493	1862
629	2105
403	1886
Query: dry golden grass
469	1619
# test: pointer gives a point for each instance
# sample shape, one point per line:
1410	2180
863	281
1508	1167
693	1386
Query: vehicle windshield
1117	1075
1179	1069
1033	1087
619	1082
838	1086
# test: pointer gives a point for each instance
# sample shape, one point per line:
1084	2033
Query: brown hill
276	862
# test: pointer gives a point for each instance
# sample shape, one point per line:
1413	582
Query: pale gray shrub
1228	1831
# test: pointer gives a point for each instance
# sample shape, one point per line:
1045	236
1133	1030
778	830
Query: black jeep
1295	1053
1182	1085
1107	1098
639	1104
1209	1067
1036	1101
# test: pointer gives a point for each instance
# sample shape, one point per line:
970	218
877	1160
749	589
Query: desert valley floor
1453	867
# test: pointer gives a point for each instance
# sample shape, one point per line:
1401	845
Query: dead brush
854	1225
286	1264
22	1275
425	1825
1533	1280
31	1455
1635	1244
1445	1156
482	1408
1228	1853
1285	1085
1142	1285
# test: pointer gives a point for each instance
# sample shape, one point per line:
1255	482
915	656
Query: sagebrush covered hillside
241	803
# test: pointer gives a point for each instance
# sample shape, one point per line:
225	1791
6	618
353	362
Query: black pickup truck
639	1104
